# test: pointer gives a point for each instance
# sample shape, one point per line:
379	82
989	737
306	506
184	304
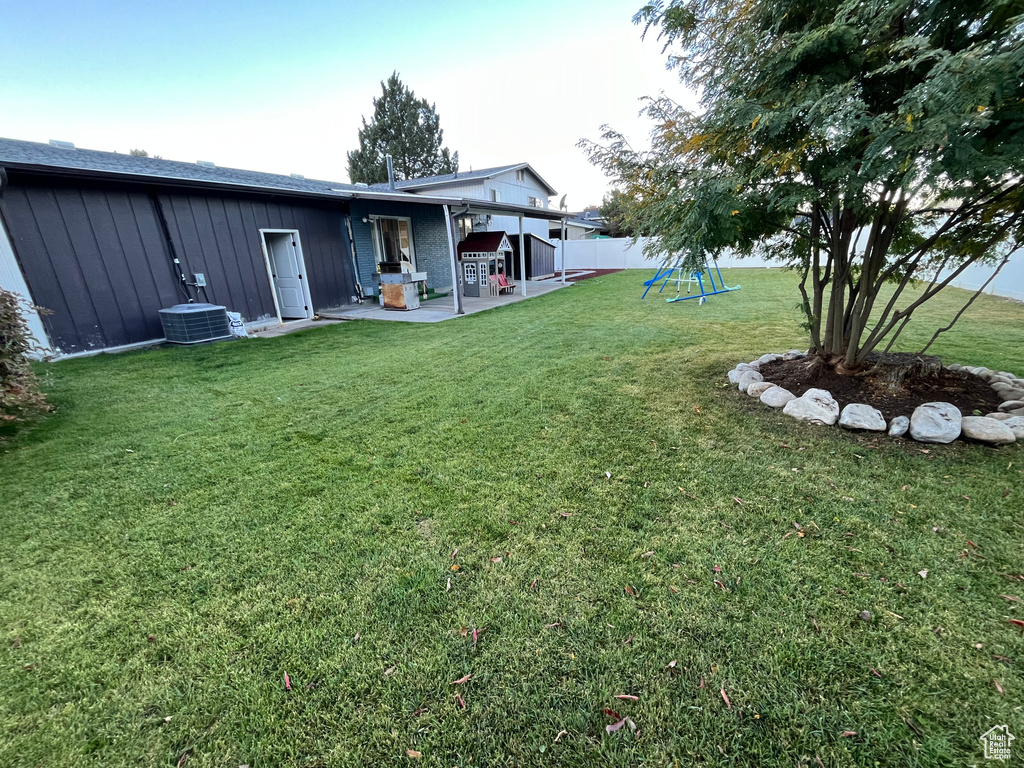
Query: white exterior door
286	271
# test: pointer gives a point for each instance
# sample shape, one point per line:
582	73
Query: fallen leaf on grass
565	514
461	680
448	588
725	698
627	697
495	559
552	626
671	664
184	757
998	687
287	682
923	573
875	672
648	554
533	583
615	726
1018	622
914	727
455	567
612	714
718	569
849	733
477	633
356	638
738	500
1011	598
455	552
721	585
390	671
463	632
414	754
702	684
629	591
997	657
560	735
608	475
459	701
971	544
674	588
628	640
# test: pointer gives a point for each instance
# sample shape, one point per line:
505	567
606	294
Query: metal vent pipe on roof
391	173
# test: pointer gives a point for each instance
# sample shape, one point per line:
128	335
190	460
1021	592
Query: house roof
16	153
483	242
461	177
47	158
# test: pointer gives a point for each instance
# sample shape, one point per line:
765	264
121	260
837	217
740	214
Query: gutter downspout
448	216
360	293
170	244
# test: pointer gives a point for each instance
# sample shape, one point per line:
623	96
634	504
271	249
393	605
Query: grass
192	524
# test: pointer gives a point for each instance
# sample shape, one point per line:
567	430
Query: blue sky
281	87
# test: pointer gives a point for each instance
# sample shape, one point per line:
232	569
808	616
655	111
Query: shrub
20	395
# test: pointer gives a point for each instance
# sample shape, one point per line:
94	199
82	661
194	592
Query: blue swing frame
666	272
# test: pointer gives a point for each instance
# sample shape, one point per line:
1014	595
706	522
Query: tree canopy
408	129
615	211
863	142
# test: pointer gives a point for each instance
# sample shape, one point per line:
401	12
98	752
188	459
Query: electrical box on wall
200	279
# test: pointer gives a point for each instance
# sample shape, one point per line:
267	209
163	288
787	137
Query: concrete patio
436	310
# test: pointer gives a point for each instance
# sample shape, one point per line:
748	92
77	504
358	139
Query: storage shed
540	257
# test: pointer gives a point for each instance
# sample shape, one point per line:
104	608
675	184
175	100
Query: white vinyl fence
620	253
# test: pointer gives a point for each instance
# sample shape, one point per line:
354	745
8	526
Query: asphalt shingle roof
14	152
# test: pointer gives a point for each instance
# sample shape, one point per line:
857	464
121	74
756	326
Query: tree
615	210
138	153
20	395
406	128
867	143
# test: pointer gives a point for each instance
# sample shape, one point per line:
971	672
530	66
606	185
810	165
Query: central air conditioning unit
195	323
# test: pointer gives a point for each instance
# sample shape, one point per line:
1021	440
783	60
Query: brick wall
429	240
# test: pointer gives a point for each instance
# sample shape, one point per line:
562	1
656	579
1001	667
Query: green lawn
192	524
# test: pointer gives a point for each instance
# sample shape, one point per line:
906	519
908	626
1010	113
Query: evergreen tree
876	146
406	128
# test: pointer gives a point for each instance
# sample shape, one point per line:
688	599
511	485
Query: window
495	196
520	175
536	202
465	227
392	240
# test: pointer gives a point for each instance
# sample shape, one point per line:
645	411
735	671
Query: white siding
11	279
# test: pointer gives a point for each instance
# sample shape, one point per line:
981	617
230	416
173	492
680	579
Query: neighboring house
517	184
104	241
578	227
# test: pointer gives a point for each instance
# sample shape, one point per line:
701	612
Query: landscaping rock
861	416
1009	405
734	376
865	616
1001	386
1016	412
747	378
777	397
1008	395
816	406
985	430
1000	416
898	427
793	354
767	358
1016	425
954	367
935	423
746	367
755	389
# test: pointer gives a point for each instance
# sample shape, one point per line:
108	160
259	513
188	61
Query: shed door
286	271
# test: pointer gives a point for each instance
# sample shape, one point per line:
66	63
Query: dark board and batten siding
96	255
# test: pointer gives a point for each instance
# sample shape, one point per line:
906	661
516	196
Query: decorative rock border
929	423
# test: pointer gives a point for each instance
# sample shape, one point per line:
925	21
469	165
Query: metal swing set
673	271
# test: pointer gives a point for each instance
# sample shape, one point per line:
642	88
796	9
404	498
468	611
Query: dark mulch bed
570	277
964	390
